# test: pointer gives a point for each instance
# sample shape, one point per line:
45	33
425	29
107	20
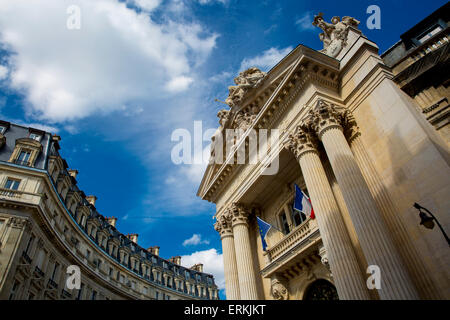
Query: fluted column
223	226
244	259
375	240
341	256
414	263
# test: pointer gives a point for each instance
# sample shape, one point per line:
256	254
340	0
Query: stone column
244	254
341	256
414	263
223	226
328	120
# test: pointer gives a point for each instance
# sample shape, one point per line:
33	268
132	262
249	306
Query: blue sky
136	70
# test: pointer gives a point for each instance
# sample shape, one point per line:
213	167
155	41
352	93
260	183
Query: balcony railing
22	163
300	233
4	192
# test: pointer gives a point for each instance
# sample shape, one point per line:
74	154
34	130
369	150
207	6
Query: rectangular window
94	295
156	295
24	157
55	271
12	184
110	272
80	292
14	289
284	223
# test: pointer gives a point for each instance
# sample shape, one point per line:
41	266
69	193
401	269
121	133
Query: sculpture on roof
246	80
334	35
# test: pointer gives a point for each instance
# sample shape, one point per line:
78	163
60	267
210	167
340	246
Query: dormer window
35	136
2	129
24	158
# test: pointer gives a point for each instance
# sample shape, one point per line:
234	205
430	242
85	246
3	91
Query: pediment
268	102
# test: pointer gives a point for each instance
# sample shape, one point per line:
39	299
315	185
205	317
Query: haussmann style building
47	225
365	136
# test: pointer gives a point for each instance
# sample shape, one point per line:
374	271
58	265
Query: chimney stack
176	260
133	237
91	199
197	267
73	173
111	220
154	250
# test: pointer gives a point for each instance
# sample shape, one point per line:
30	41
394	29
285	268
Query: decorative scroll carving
334	35
278	290
248	79
239	213
223	225
301	141
325	116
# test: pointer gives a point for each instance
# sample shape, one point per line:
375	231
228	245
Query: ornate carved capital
351	129
239	214
301	141
325	116
223	225
278	290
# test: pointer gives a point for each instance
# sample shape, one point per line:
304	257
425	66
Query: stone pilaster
223	226
327	119
341	257
413	261
244	259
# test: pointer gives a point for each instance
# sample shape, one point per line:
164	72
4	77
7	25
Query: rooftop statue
246	80
334	35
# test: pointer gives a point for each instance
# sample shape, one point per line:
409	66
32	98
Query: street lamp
427	221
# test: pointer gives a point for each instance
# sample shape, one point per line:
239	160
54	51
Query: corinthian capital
325	116
239	213
301	141
223	225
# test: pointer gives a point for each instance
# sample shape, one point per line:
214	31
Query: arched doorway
321	290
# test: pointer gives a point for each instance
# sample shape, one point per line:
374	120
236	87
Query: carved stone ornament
217	138
246	80
239	213
324	116
334	35
223	224
278	290
301	141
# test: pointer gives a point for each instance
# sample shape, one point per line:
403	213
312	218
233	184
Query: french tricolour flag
302	203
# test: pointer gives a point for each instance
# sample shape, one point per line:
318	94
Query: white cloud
118	57
203	2
266	60
212	263
179	84
3	72
148	5
195	240
304	23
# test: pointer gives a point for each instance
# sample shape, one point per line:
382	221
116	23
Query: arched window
321	290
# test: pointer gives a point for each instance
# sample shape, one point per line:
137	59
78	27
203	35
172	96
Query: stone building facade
420	64
357	145
48	224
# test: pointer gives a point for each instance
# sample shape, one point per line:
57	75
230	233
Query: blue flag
264	228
